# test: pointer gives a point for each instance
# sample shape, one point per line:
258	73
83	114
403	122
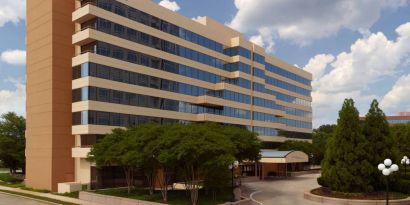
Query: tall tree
345	167
379	142
116	149
12	141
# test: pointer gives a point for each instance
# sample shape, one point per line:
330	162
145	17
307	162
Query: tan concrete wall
49	53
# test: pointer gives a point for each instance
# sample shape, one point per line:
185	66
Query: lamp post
232	167
387	168
405	161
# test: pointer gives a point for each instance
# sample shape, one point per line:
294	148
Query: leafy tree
379	142
328	129
12	141
200	150
401	138
345	167
116	149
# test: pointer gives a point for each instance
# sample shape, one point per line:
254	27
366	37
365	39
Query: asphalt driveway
285	191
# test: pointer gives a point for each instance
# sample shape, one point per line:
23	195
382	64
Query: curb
26	197
330	200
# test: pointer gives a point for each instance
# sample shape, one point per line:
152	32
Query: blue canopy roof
275	153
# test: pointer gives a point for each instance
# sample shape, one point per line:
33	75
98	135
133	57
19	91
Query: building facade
94	65
401	118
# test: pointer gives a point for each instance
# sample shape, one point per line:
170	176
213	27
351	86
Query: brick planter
329	200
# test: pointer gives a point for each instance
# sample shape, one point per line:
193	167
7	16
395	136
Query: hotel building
94	65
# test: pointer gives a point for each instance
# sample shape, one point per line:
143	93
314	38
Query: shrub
402	186
6	177
321	182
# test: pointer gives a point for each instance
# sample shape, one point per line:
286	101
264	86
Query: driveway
6	199
284	192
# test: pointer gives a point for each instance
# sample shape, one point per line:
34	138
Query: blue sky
355	48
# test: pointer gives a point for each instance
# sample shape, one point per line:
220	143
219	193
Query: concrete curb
26	197
329	200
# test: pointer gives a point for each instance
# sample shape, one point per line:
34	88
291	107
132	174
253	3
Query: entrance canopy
282	157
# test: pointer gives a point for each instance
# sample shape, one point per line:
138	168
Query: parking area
284	191
6	199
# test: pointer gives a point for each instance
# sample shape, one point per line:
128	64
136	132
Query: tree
12	141
345	167
116	149
379	142
199	150
400	134
320	138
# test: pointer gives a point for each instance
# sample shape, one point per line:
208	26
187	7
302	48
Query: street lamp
232	167
387	168
405	161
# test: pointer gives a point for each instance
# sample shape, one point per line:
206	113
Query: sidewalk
48	195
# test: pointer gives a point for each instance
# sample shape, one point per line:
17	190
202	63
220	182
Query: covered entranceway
282	163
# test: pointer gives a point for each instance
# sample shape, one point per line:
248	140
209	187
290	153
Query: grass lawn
363	196
175	197
74	194
38	197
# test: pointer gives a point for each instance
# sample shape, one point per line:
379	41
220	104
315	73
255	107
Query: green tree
12	141
401	139
345	167
116	149
379	142
320	137
199	150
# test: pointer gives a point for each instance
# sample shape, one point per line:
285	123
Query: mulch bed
379	195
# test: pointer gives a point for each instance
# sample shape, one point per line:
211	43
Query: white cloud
350	73
13	100
304	21
171	5
14	57
318	64
264	38
398	98
12	11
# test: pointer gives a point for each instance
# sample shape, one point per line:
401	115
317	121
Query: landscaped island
350	167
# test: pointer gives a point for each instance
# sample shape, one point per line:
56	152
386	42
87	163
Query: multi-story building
401	118
94	65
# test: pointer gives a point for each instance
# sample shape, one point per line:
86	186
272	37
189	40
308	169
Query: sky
356	49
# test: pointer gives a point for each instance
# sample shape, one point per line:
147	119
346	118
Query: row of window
109	50
126	98
265	131
259	58
238	66
260	116
234	51
110	73
154	42
297	123
90	117
160	24
287	86
398	121
259	73
280	96
287	74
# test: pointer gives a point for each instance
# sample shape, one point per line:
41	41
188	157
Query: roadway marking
251	197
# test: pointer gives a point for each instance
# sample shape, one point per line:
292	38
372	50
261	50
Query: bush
6	177
321	182
402	186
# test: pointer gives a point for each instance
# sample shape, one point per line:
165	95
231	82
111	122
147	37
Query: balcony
80	152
